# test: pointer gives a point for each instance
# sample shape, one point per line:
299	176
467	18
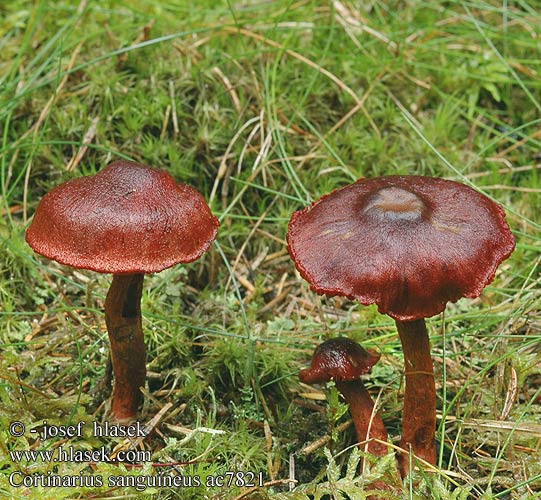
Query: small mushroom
345	361
128	220
409	244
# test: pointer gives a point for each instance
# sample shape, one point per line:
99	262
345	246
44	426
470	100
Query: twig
322	441
265	485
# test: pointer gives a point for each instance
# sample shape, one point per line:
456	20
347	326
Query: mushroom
345	361
128	220
409	244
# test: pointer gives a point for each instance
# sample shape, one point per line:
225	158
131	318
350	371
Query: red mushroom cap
340	359
128	218
410	244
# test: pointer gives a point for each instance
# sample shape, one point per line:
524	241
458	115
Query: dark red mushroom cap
128	218
410	244
340	359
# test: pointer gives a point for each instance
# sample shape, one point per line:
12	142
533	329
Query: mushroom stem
368	424
123	320
419	415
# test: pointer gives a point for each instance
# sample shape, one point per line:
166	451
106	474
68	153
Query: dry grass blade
532	429
87	139
229	88
222	169
312	64
35	128
354	23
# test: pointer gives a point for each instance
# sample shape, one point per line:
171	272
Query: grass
263	107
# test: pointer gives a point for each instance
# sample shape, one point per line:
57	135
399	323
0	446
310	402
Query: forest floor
265	106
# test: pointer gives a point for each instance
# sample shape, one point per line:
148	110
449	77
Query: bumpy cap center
395	203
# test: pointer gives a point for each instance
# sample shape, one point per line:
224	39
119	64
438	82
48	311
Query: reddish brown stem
123	319
367	423
419	415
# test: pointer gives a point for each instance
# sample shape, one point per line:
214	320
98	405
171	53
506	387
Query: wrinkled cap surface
409	244
128	218
339	359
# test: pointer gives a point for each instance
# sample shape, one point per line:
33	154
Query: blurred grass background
264	106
